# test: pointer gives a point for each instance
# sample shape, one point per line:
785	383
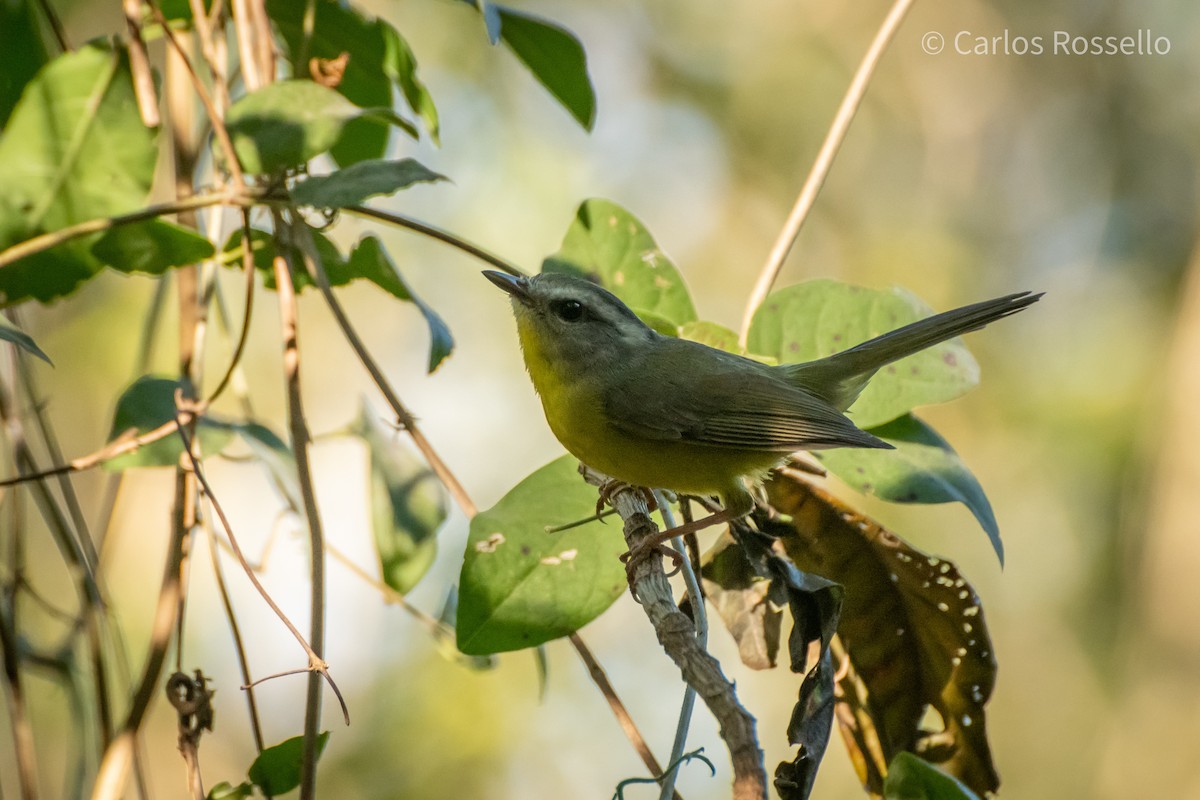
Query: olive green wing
709	397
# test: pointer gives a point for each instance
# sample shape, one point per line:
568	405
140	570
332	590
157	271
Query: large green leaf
74	149
149	403
283	125
277	769
151	246
380	58
353	185
608	244
552	54
24	51
369	260
521	586
922	469
408	505
913	778
817	318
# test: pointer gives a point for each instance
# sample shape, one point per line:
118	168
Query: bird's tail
840	378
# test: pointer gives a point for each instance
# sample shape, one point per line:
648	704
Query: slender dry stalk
820	168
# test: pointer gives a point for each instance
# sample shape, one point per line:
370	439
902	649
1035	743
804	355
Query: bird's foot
611	486
644	550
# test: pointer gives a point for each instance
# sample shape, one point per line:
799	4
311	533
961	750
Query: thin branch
139	64
439	234
316	664
24	750
390	595
114	766
210	108
701	621
47	240
677	635
235	631
60	33
600	678
300	441
820	168
406	420
240	348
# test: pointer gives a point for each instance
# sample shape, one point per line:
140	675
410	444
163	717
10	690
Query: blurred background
963	177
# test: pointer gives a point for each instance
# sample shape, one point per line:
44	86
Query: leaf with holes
521	586
147	404
353	185
922	469
284	125
818	318
408	505
607	244
912	625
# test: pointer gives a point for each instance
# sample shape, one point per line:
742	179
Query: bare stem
677	635
439	234
820	168
47	240
300	441
405	418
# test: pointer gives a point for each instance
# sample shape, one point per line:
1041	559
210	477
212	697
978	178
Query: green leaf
711	334
912	778
552	54
225	791
608	244
521	586
277	769
817	318
408	505
148	404
24	51
352	185
369	260
380	59
285	124
11	333
152	246
262	245
74	149
922	469
401	66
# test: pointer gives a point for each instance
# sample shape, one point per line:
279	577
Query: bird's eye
568	310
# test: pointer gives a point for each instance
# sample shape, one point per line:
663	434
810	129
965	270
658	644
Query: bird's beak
517	287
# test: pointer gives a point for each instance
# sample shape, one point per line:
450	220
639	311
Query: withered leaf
739	595
911	624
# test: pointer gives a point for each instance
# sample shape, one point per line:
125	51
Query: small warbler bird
664	413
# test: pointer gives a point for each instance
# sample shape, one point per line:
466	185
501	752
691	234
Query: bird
656	411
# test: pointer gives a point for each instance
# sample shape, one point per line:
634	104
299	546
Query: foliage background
963	177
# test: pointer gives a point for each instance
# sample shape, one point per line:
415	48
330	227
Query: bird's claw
611	486
641	552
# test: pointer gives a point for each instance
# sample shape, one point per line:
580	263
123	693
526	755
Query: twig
47	240
390	595
236	632
60	33
315	663
407	421
300	440
24	750
600	678
139	64
240	348
114	766
677	635
439	234
701	622
820	168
